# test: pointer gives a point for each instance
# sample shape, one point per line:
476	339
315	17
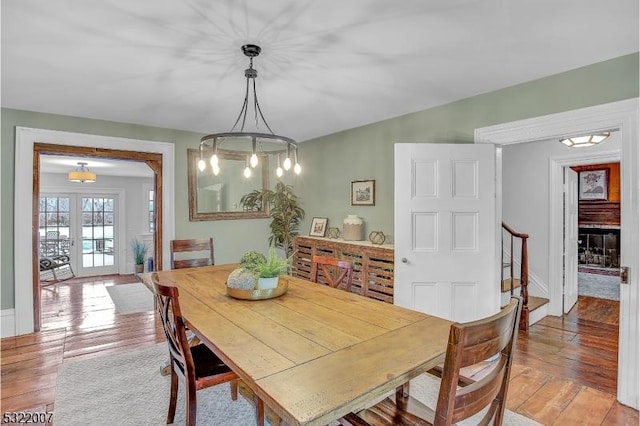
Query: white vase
267	283
352	228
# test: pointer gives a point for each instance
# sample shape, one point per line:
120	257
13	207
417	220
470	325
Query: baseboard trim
7	322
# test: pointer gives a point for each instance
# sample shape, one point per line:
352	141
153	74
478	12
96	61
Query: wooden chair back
470	344
197	365
459	398
335	271
192	246
174	328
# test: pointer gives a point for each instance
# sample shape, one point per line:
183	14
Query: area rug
127	389
596	285
131	298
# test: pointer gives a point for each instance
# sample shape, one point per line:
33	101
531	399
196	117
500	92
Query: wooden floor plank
621	415
550	400
524	385
589	407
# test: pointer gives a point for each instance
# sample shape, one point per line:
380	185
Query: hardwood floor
564	371
78	321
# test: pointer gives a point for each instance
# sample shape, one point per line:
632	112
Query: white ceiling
326	65
101	166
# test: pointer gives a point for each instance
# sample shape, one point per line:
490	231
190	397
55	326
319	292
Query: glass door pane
98	232
54	223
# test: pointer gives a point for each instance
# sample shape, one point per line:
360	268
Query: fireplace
599	247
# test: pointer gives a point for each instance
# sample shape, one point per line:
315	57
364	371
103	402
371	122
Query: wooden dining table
315	353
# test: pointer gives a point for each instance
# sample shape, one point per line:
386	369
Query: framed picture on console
593	184
318	226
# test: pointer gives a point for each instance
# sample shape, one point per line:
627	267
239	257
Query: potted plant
284	211
257	271
269	271
139	251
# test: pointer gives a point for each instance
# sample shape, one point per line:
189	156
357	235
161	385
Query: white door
97	245
446	230
570	239
82	227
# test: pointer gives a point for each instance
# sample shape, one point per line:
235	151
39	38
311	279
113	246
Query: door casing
623	116
27	302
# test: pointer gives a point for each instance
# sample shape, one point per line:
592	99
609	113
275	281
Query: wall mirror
214	197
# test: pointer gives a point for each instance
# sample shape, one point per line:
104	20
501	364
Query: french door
83	227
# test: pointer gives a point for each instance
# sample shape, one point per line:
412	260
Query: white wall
135	189
525	191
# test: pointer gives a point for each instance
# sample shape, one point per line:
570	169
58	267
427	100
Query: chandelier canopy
251	143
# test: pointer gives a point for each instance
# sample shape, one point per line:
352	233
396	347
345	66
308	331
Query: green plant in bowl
252	259
273	266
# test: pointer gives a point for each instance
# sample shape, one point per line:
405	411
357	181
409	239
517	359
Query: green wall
332	162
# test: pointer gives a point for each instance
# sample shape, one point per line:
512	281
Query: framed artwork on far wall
593	184
318	226
363	193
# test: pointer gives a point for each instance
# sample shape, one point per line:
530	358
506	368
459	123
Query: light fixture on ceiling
251	144
585	140
82	174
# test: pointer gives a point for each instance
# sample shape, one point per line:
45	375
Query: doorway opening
94	229
599	230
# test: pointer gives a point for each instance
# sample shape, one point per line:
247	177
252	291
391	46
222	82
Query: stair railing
524	271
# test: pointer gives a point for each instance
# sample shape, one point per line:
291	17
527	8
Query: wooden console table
372	264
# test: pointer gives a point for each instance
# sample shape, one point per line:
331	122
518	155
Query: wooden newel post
524	278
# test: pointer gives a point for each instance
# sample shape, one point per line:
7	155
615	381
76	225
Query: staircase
515	277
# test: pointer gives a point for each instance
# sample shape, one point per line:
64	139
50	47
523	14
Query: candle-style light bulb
254	157
287	161
247	168
216	170
201	165
297	169
279	171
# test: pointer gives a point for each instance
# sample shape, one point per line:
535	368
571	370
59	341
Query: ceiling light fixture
586	140
82	174
251	144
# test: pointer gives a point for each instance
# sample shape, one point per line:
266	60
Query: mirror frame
193	155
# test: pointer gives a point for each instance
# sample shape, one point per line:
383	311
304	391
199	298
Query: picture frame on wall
593	184
318	226
363	192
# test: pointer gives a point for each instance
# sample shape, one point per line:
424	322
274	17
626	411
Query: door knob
624	275
404	260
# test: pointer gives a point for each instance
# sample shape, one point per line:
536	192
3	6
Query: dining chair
469	344
197	365
333	271
202	248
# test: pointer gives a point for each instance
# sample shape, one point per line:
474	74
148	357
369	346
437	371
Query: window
152	211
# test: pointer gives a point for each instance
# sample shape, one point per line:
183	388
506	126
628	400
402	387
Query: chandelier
586	140
82	174
250	144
